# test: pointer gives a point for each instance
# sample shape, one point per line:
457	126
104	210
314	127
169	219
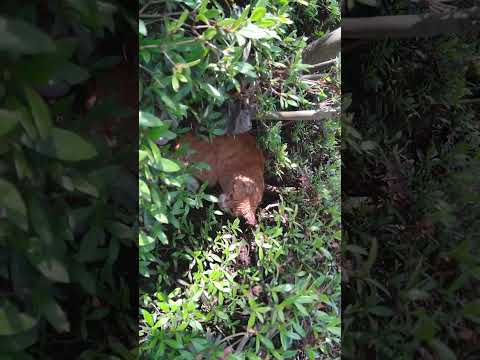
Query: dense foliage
211	287
63	226
411	231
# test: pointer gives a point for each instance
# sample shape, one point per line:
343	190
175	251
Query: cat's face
242	200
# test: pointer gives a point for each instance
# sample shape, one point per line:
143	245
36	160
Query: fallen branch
300	115
311	77
411	26
322	65
470	101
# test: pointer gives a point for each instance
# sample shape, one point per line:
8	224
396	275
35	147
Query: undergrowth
212	287
411	163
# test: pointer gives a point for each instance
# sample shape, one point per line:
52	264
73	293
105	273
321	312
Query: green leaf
381	311
142	155
425	329
251	320
372	3
242	18
55	315
72	74
98	313
18	342
174	344
368	145
119	230
219	132
209	34
302	309
20	37
267	342
212	13
145	240
442	350
372	256
13	202
210	198
293	335
147	119
472	311
39	219
283	288
84	186
53	269
21	164
25	117
79	274
178	24
142	29
169	166
266	23
162	237
13	322
298	328
148	317
40	112
63	145
417	294
144	190
89	244
226	23
252	31
155	133
8	120
258	13
305	299
213	91
246	68
175	83
49	67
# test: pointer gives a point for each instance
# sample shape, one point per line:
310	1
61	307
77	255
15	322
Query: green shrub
62	225
411	159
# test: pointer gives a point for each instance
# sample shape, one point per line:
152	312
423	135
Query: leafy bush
410	169
63	225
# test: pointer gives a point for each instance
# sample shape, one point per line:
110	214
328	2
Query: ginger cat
237	164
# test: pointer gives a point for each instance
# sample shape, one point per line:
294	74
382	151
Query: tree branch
411	26
299	115
322	65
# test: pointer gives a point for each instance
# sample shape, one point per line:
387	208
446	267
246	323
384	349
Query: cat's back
204	152
242	155
227	154
240	148
202	148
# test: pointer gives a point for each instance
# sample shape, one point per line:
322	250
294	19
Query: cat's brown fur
237	164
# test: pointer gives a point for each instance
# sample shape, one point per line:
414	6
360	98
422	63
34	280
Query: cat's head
242	200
